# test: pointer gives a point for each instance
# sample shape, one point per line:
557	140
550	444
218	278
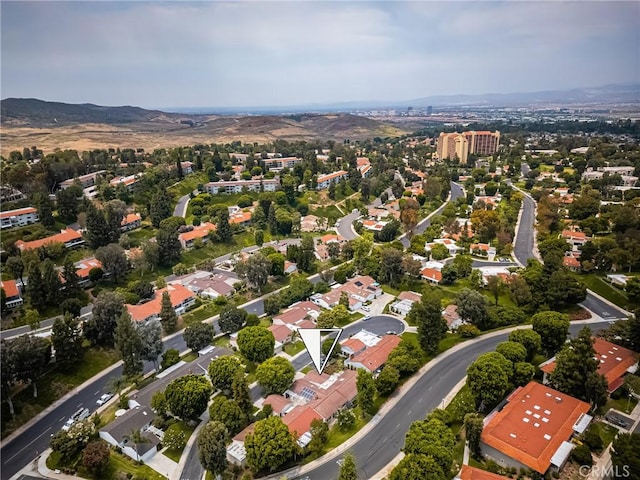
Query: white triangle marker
312	338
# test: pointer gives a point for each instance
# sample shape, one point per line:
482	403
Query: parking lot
617	418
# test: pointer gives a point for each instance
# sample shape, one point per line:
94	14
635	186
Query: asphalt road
345	227
181	206
456	191
523	250
384	441
44	325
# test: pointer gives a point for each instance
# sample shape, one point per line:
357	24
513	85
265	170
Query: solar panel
307	393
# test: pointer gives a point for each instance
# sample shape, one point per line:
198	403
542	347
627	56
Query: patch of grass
188	184
461	404
293	348
175	453
189	357
450	340
53	386
212	250
222	341
606	432
331	212
624	404
201	313
139	235
306	369
606	290
391	290
119	463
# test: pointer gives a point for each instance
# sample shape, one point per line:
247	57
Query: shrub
582	455
468	331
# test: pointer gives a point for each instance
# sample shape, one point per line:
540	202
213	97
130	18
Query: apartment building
88	180
231	187
277	164
18	217
181	299
324	181
69	238
460	145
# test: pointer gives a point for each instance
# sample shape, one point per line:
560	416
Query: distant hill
31	111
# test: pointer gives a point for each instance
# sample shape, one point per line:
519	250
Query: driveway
377	306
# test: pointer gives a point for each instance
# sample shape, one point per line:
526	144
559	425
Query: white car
366	309
104	398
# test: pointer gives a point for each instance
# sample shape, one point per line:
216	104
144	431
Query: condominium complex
256	185
460	145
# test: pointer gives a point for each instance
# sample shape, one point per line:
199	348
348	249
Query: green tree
333	249
95	457
222	371
160	207
432	327
366	386
387	380
463	264
275	375
187	396
553	328
71	279
625	455
240	393
523	372
212	447
30	357
42	203
169	358
256	343
576	371
270	445
431	437
16	267
107	308
32	318
168	247
488	380
417	467
52	283
494	285
232	318
150	334
223	229
512	351
66	338
319	435
472	307
228	413
129	345
339	315
114	260
390	266
168	316
97	230
405	358
348	469
255	270
259	237
473	425
198	336
159	403
530	339
277	264
36	289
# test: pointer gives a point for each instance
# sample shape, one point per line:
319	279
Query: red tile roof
177	293
614	362
413	296
280	332
374	357
10	288
278	403
472	473
330	237
353	344
64	236
432	273
85	266
331	176
131	218
299	419
577	235
571	262
200	231
19	211
533	424
240	217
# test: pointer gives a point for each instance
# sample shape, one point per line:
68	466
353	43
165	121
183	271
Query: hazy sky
182	54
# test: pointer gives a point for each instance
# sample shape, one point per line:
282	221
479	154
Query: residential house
119	432
84	267
352	346
532	429
432	272
290	267
130	222
571	260
68	237
299	315
373	358
325	180
201	231
240	218
129	181
253	185
373	225
451	316
617	279
187	167
236	453
279	404
299	420
405	302
207	284
483	250
364	166
309	223
615	363
449	244
181	299
359	290
575	239
13	295
18	217
282	335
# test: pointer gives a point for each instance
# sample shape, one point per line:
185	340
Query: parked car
80	415
366	309
366	317
104	398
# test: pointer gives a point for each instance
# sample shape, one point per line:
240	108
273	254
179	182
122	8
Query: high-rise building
429	110
460	145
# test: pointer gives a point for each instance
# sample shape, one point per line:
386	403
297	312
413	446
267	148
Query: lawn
293	348
606	432
337	436
189	357
331	212
141	234
201	313
213	250
175	453
606	290
188	184
624	404
53	386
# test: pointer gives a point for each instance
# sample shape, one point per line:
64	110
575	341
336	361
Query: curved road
378	447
